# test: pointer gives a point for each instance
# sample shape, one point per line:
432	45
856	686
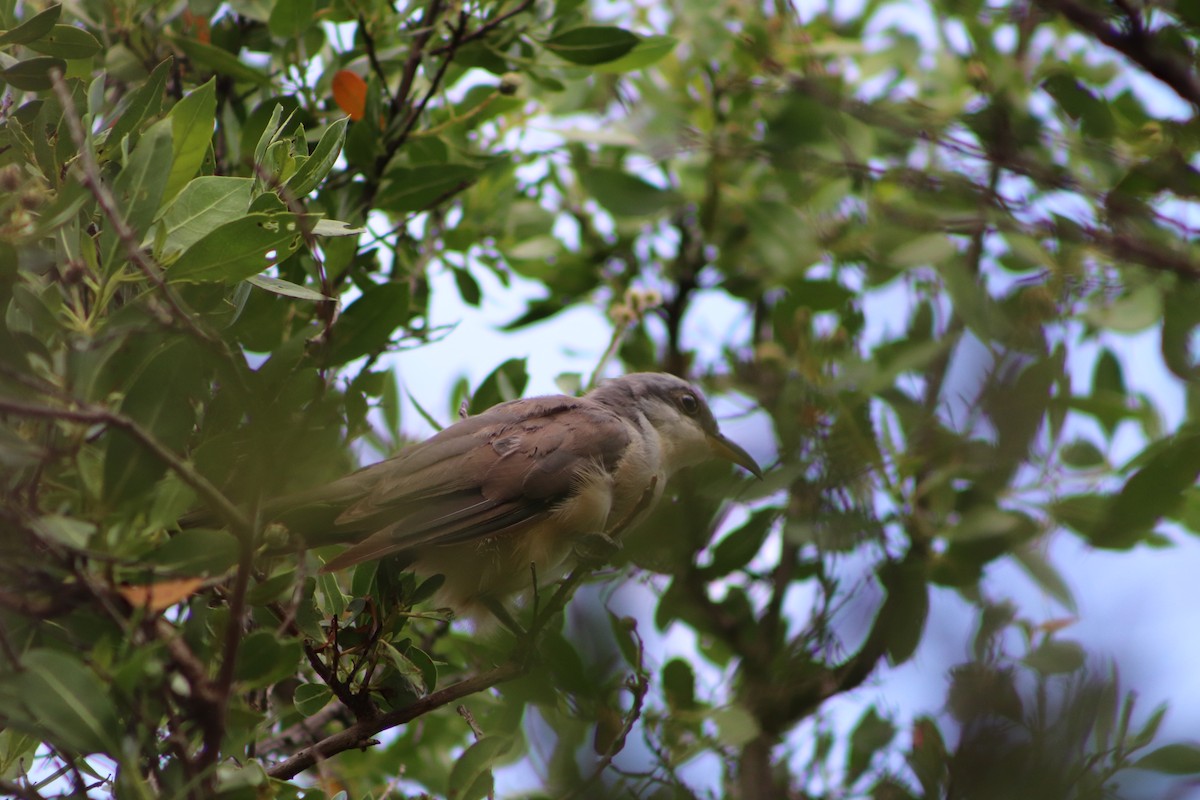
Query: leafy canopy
218	222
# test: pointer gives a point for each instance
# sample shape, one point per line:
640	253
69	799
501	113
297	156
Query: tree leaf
650	50
238	249
419	188
505	382
871	735
196	552
592	44
1056	657
1172	759
57	698
1152	492
144	103
33	28
204	204
736	727
67	41
33	74
138	191
160	400
309	698
368	324
192	121
313	171
476	762
265	658
220	61
679	685
350	93
290	19
735	550
623	194
285	288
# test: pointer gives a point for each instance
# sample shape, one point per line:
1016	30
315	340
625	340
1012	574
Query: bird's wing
486	475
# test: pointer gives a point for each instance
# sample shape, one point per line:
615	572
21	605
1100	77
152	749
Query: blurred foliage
217	220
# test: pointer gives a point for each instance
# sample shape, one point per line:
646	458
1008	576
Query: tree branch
358	734
1135	43
210	494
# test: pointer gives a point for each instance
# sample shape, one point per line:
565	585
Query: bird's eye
689	403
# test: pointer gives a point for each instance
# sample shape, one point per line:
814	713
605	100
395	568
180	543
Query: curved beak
730	451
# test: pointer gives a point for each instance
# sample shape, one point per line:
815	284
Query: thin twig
90	175
638	685
87	413
360	733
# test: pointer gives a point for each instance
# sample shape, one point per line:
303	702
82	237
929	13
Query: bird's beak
728	450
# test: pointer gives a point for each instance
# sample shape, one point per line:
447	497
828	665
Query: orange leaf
164	594
350	93
197	25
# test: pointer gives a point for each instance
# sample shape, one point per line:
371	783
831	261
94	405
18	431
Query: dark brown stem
359	734
1133	41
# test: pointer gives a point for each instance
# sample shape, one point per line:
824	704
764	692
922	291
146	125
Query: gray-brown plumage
522	482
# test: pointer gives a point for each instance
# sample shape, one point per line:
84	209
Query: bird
524	482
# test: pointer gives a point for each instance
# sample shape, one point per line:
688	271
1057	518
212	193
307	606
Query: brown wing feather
487	475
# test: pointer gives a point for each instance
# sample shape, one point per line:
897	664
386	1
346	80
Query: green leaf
265	658
321	161
74	533
649	50
369	323
290	19
33	74
1080	512
57	698
204	204
468	287
1134	312
220	61
238	249
285	288
67	41
1172	759
309	698
1046	576
160	399
971	300
872	734
506	382
144	103
139	189
1082	454
905	610
419	188
1152	492
592	44
475	764
929	249
192	121
736	549
335	228
985	522
736	727
679	685
623	194
1056	657
196	552
33	28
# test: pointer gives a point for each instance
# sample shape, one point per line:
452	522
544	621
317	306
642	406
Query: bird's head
679	414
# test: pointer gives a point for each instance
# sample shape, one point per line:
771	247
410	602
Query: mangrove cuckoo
521	483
